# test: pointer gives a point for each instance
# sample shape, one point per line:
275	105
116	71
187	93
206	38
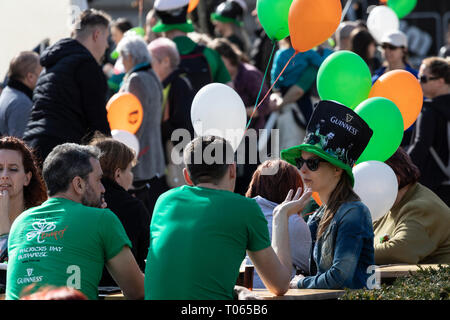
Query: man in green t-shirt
174	25
200	232
68	239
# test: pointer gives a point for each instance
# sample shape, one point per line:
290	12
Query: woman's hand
294	204
294	282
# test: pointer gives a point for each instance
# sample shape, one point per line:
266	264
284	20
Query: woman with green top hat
228	21
341	229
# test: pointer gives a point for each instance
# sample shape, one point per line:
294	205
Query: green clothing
415	231
219	72
62	243
198	240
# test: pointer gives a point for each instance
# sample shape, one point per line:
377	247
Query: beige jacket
415	231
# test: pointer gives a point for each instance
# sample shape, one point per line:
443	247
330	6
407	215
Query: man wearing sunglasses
430	146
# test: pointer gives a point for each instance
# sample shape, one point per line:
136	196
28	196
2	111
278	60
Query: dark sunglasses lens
423	79
299	162
313	164
388	46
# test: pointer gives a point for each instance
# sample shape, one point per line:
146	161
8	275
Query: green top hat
336	134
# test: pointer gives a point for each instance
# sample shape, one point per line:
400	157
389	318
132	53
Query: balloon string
262	84
268	91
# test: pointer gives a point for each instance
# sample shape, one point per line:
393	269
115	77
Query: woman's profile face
321	179
13	177
125	177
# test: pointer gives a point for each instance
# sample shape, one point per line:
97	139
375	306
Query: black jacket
135	219
431	130
179	101
70	96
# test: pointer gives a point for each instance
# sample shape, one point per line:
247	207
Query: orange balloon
192	5
125	112
316	198
402	88
383	1
311	22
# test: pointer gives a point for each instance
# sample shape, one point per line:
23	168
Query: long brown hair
343	192
36	192
274	187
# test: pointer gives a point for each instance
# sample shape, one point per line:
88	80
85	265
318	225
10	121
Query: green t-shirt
219	72
62	243
198	239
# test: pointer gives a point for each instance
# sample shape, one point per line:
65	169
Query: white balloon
382	20
127	138
218	110
377	186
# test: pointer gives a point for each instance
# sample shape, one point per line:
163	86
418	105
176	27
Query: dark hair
274	187
343	192
35	193
65	162
228	50
22	64
405	170
91	18
114	155
439	67
207	159
122	24
361	39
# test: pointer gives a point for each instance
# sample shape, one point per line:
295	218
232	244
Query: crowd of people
82	210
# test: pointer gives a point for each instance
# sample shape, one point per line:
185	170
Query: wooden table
402	270
300	294
292	294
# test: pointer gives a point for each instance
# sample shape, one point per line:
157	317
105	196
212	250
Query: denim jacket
345	250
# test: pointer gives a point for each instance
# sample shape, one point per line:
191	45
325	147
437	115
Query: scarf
15	84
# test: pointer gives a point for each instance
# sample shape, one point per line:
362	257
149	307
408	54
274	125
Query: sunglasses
425	79
311	163
389	46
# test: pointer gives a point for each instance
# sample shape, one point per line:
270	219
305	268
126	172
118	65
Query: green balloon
402	7
344	77
386	121
273	16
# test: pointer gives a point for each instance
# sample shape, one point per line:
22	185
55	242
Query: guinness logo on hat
348	117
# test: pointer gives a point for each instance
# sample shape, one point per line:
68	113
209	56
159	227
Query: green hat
336	134
230	11
173	19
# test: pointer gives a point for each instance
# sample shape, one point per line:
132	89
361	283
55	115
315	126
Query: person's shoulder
354	210
423	199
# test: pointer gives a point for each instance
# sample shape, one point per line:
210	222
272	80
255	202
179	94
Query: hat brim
291	154
217	17
185	27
